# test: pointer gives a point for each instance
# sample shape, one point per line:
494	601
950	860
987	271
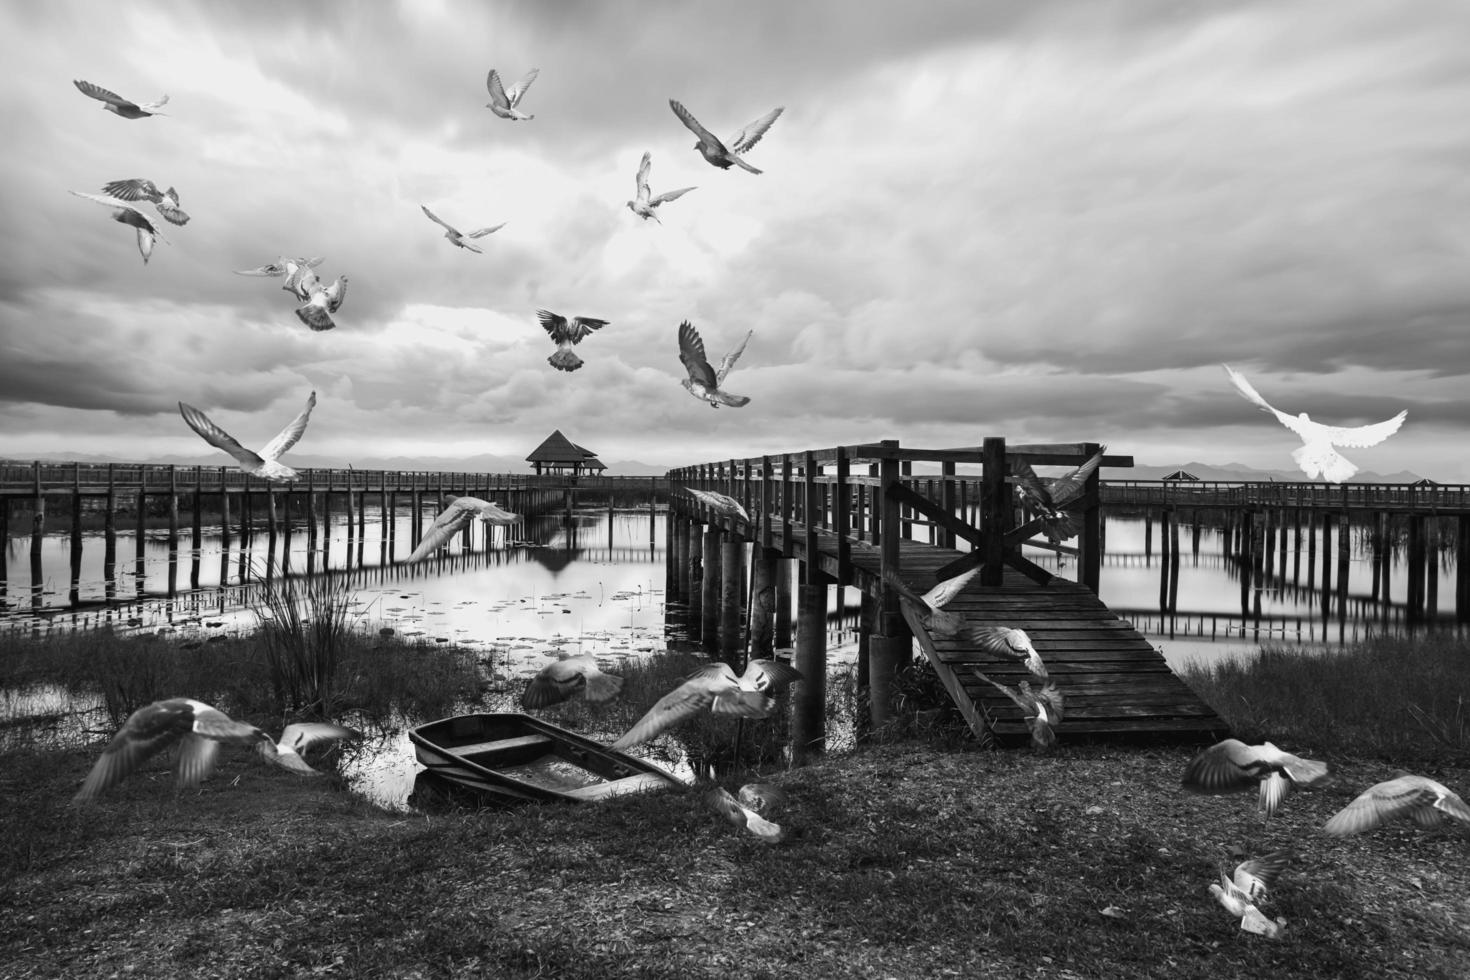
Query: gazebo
559	455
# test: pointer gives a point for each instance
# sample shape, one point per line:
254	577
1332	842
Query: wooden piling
38	518
709	623
809	703
783	604
763	602
732	595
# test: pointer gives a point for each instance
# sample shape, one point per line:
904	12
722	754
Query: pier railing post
995	508
1089	559
890	649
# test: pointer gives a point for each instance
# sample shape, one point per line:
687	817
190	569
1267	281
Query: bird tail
1334	467
1042	734
603	687
734	401
315	317
565	359
743	165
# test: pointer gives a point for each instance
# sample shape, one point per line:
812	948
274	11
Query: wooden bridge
850	514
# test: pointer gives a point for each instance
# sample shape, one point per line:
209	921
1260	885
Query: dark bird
569	677
565	334
704	381
1231	766
724	154
1051	497
117	104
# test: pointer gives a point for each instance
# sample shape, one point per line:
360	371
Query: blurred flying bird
291	268
1011	643
742	815
568	677
722	155
456	515
454	235
139	189
318	301
1232	766
117	104
1049	498
127	214
503	101
643	205
930	605
714	688
1316	453
1241	893
565	334
719	503
704	381
263	465
200	730
1041	710
1422	800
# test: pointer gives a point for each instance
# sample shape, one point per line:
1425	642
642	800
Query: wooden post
891	647
709	625
1462	568
694	579
842	519
38	515
140	521
763	602
947	498
809	704
1089	543
732	594
996	505
783	604
1344	558
678	557
1414	601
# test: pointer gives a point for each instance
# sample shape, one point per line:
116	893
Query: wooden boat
510	757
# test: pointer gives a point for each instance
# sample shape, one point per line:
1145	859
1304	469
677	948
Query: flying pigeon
568	677
722	155
719	503
565	335
318	302
1242	892
200	730
1316	453
139	189
292	268
117	104
127	214
643	205
1231	766
742	815
503	101
714	688
704	381
1041	710
930	605
454	235
1011	643
456	515
1049	498
1419	798
263	465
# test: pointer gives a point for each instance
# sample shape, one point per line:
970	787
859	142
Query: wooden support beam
809	700
995	506
709	624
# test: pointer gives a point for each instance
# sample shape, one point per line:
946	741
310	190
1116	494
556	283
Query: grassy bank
915	859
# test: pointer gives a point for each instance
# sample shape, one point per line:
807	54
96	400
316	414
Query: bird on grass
704	380
643	205
717	689
456	515
125	213
744	811
719	503
115	103
456	236
724	154
569	677
1008	642
1042	709
1231	766
930	605
1050	497
1423	800
263	464
1317	455
139	189
199	730
318	301
564	334
504	101
1241	892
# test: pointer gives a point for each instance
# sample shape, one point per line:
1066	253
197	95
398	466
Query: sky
1051	221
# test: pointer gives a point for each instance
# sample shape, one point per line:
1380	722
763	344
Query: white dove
1008	642
503	101
127	214
566	334
714	688
722	155
1248	887
1231	766
945	625
117	104
643	205
199	729
1041	710
704	380
568	677
139	189
719	503
1419	798
1316	453
265	463
741	815
458	238
1051	497
318	302
456	515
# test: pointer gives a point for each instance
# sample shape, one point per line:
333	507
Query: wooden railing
1409	497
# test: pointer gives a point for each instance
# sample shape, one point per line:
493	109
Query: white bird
1041	710
704	380
139	189
318	301
456	236
200	730
1426	802
643	205
291	268
265	463
1051	497
742	815
719	503
722	155
127	214
1232	766
456	515
1241	893
714	688
1011	643
117	104
503	101
930	605
565	334
1316	453
568	677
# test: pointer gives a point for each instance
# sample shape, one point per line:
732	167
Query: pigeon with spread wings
740	812
704	380
1008	642
1242	892
564	334
127	214
318	300
1049	498
456	236
504	101
263	464
115	103
291	268
643	205
1041	709
455	517
717	689
930	605
140	189
1232	766
1317	454
568	677
724	154
1423	800
720	503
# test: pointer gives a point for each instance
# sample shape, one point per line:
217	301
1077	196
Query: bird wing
197	756
1031	486
336	293
685	701
642	179
436	219
518	91
217	437
728	361
751	134
112	202
497	89
769	675
302	735
289	436
687	118
1067	488
1002	640
1256	876
104	95
142	735
1381	803
891	578
450	521
691	353
133	189
1221	768
482	232
667	196
1027	707
485	510
1051	696
1358	437
155	106
582	326
1251	395
553	323
939	596
270	269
